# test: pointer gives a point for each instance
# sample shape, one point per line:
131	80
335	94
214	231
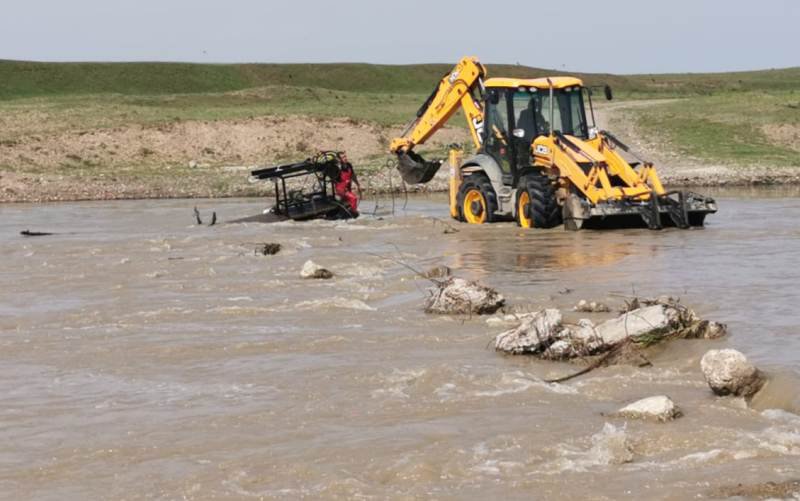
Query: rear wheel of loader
477	201
536	202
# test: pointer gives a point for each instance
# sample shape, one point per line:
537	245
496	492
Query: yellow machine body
587	176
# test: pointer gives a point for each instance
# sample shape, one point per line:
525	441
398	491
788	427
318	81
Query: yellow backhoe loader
538	159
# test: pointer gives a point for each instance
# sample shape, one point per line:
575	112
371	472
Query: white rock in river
660	408
637	322
456	296
535	333
728	372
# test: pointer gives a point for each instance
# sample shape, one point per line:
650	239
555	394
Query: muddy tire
477	201
536	202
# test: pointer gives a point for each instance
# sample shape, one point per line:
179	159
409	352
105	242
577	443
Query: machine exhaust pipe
552	108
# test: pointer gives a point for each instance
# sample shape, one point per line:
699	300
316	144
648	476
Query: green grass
709	84
32	79
731	128
21	79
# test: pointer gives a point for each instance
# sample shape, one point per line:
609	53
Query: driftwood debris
619	340
199	221
268	249
29	233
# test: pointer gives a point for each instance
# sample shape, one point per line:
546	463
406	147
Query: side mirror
518	133
609	94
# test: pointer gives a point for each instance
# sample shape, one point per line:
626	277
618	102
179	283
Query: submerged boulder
268	249
658	408
440	271
456	296
313	270
728	372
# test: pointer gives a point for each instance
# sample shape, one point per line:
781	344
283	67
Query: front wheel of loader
477	201
536	202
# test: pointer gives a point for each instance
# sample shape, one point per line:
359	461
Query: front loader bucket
416	170
676	209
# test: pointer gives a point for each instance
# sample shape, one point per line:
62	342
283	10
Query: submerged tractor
538	159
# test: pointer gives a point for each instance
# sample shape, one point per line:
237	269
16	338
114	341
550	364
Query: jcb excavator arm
456	89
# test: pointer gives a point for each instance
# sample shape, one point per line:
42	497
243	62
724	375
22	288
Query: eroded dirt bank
187	159
212	158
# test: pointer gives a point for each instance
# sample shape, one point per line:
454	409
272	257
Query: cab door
498	141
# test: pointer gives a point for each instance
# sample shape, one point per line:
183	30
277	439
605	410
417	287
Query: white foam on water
157	312
362	271
234	485
273	283
781	415
661	375
397	383
239	298
241	310
696	459
486	461
609	446
446	392
701	457
330	340
334	302
351	227
781	440
518	382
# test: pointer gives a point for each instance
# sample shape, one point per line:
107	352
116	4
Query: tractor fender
485	163
488	165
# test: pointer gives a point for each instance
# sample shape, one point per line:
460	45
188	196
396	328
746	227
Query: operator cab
518	111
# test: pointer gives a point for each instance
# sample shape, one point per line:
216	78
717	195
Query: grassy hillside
33	79
742	128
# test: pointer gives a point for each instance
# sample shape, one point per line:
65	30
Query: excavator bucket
416	170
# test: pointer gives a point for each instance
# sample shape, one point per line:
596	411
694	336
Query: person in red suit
344	185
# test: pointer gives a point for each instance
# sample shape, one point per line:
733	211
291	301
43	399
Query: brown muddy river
143	356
